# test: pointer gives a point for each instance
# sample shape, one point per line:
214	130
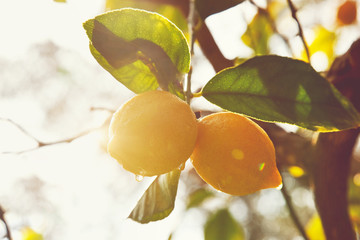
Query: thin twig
23	130
102	109
274	28
191	27
301	33
2	218
292	212
41	144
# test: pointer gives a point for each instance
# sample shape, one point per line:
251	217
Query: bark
333	154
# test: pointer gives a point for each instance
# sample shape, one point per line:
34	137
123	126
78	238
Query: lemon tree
156	131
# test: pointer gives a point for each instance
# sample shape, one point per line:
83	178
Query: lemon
153	133
234	155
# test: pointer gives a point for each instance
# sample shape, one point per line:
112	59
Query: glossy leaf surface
279	89
141	49
169	11
159	199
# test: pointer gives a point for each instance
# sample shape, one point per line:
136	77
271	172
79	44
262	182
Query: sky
28	22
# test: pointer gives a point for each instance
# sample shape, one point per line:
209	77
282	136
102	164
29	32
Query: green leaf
159	199
258	33
209	7
197	197
222	225
141	49
279	89
171	12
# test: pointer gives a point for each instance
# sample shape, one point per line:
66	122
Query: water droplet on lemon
279	187
182	166
139	178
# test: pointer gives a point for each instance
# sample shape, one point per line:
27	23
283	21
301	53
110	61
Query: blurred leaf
276	8
159	199
296	171
355	217
258	33
142	50
324	41
62	1
354	190
171	12
222	225
29	234
197	197
314	228
279	89
209	7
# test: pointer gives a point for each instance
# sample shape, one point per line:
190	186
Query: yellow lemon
153	133
234	155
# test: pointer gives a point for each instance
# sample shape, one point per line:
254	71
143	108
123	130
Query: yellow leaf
296	171
276	8
258	33
314	228
324	41
30	234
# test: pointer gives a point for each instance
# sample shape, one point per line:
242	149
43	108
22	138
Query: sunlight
53	90
47	20
261	166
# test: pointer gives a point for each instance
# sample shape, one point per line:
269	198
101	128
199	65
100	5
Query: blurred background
52	89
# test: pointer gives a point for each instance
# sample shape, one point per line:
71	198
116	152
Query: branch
192	19
23	130
211	49
333	153
2	218
286	145
301	34
292	212
41	144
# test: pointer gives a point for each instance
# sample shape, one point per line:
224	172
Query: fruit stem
191	26
198	94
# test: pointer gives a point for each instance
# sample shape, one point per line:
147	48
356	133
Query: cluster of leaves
144	51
